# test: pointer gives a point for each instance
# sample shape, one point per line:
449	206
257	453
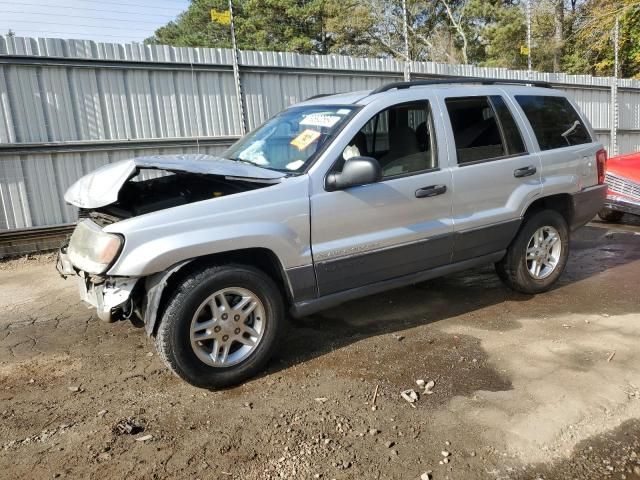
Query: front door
398	226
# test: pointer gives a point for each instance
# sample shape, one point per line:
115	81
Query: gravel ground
525	387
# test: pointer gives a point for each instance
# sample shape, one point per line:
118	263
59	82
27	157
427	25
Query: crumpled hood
100	187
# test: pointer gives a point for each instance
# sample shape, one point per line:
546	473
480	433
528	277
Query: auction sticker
320	120
305	139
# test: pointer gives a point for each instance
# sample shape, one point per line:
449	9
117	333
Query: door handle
431	191
524	171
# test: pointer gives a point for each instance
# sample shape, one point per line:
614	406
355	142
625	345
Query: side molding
302	283
302	309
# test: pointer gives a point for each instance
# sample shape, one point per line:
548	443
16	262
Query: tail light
601	161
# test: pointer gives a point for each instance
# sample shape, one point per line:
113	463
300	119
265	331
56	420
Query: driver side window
401	138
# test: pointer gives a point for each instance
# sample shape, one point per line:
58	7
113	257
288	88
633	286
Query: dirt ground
525	387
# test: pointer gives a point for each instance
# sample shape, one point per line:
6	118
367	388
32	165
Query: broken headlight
91	249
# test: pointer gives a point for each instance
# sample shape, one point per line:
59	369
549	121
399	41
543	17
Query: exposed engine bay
133	187
141	195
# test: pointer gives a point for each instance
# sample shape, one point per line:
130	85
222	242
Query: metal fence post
529	68
236	72
614	91
405	28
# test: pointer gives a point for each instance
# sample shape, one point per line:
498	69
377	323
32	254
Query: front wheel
221	325
537	256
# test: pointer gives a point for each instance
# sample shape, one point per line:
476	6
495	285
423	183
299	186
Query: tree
353	27
590	46
282	25
497	30
567	35
194	28
457	24
375	28
558	33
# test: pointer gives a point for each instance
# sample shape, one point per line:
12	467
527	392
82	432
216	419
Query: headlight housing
91	249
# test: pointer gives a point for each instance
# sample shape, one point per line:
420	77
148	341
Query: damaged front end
131	188
87	256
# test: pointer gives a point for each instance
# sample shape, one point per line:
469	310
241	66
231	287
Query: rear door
494	173
567	148
398	226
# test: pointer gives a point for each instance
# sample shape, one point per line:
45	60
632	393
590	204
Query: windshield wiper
255	164
244	161
571	129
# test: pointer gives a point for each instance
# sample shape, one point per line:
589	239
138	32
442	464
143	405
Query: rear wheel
609	215
537	256
221	325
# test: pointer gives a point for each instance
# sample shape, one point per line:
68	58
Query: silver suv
335	198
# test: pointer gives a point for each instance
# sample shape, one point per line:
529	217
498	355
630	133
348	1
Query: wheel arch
561	203
160	285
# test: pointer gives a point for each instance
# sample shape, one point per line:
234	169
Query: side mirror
356	171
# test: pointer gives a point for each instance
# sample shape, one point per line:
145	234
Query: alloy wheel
227	327
543	252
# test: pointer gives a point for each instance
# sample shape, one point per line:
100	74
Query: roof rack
459	80
319	95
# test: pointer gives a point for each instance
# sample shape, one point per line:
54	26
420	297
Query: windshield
291	139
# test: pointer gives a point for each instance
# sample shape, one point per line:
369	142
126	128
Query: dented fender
155	285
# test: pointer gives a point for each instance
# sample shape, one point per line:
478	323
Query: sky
118	21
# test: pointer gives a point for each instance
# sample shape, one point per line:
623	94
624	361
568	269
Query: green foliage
590	48
571	35
282	25
194	28
499	30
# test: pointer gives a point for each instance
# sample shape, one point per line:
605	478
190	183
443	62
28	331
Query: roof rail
319	95
459	80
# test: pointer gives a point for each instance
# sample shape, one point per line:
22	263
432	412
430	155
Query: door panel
493	177
397	226
371	233
488	203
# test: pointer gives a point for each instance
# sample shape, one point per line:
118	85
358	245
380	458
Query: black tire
609	215
512	269
173	338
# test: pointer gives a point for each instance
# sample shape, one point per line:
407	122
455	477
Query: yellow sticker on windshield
305	139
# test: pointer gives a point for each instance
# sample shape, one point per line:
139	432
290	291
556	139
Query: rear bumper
622	204
586	204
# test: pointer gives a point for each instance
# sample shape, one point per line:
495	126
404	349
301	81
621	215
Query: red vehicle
623	194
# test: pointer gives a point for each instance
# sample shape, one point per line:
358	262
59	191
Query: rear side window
483	129
555	122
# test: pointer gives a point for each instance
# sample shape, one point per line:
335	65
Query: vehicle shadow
595	249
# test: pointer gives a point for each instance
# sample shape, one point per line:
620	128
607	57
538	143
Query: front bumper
107	295
622	204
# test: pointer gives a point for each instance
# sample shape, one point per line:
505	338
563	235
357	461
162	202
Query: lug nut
225	338
225	316
237	331
216	329
236	317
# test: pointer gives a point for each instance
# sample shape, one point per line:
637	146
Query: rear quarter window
554	121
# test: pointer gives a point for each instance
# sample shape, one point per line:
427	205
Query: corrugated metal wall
68	106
